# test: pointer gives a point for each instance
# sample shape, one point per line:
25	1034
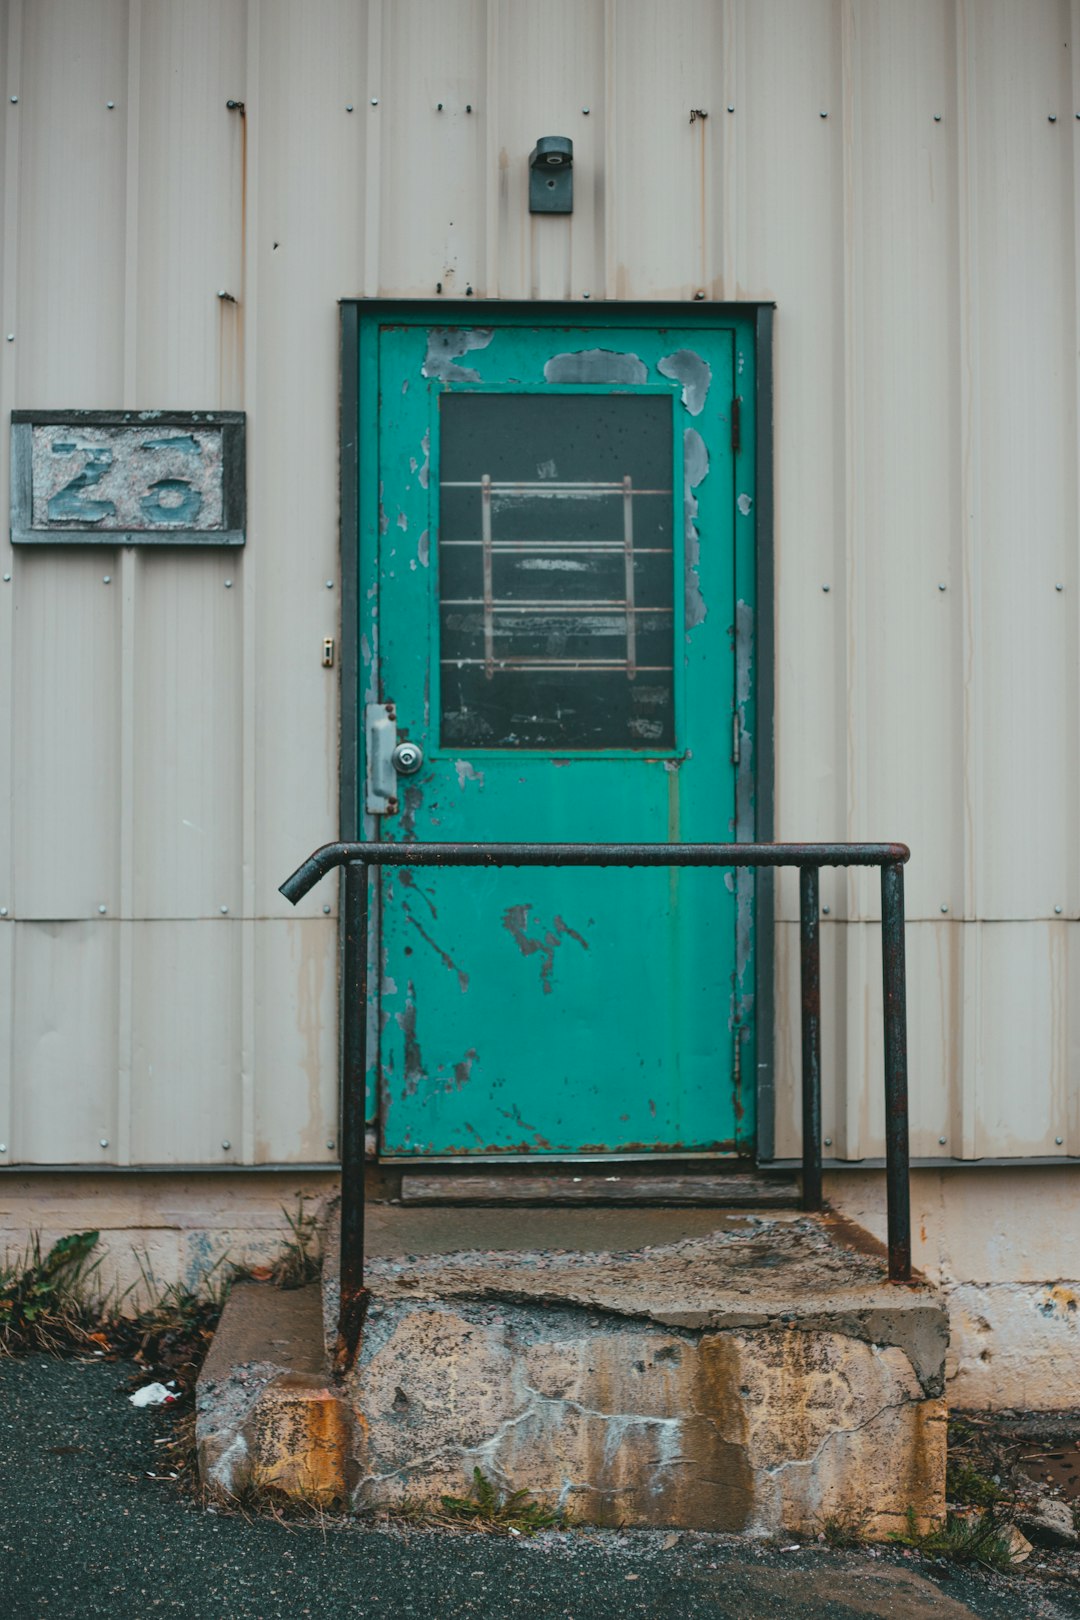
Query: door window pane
556	571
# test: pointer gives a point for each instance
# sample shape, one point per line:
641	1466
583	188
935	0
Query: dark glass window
555	571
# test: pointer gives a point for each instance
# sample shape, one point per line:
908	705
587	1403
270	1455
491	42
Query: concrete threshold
739	1371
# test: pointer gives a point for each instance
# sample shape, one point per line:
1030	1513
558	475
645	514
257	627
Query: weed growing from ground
966	1484
983	1540
846	1529
46	1301
490	1509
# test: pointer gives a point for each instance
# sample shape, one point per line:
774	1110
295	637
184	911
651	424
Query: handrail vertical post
894	981
810	971
354	1296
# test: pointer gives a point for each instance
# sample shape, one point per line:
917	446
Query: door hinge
735	738
736	423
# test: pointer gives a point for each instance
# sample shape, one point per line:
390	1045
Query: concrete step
734	1370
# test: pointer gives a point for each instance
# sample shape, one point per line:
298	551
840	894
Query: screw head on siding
828	1141
330	1145
941	1141
228	584
348	106
438	106
15	103
374	101
106	579
825	588
224	911
3	911
937	118
1059	1140
1051	118
329	584
823	115
941	585
1059	586
326	911
102	909
585	111
7	579
3	1147
226	1146
1057	911
825	911
944	908
11	337
110	105
104	1142
731	109
586	295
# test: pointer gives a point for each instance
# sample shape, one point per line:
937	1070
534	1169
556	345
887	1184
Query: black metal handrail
808	858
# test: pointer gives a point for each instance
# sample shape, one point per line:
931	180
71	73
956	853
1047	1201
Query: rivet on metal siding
438	106
941	585
15	102
468	292
226	296
330	1145
348	106
730	108
374	101
944	908
586	295
1059	587
823	115
586	111
329	584
828	1141
937	118
102	909
103	1141
468	106
326	911
1052	118
825	588
941	1141
438	286
825	911
3	1147
1059	1140
224	911
3	911
7	579
226	1146
228	584
1057	911
110	105
106	579
11	337
699	295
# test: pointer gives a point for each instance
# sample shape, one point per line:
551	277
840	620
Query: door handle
387	759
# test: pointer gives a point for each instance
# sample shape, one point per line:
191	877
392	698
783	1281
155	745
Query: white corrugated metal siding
901	178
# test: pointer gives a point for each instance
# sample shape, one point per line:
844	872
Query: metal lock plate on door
387	758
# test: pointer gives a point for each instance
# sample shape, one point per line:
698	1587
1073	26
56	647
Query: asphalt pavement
86	1532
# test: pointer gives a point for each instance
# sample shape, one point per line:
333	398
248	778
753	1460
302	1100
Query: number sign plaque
127	478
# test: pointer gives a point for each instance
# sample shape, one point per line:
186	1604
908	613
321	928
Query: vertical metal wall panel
1026	449
185	1100
305	255
65	1047
790	247
432	173
187	738
561	92
1024	1097
933	967
73	159
904	585
66	699
296	1112
666	63
191	199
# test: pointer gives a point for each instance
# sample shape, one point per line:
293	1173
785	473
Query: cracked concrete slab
756	1374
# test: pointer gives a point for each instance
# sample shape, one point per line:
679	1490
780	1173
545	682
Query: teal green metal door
554	631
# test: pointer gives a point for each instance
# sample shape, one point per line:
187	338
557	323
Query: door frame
755	642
